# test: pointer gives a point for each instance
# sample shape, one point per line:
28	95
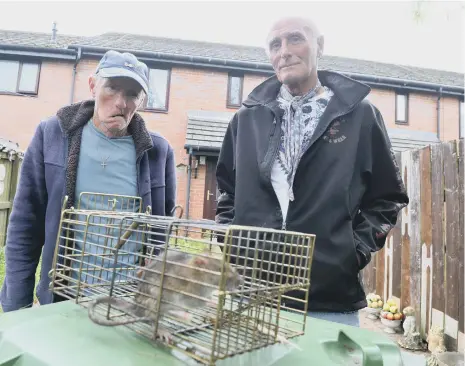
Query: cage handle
173	211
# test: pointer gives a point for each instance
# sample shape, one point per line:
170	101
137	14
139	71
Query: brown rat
146	297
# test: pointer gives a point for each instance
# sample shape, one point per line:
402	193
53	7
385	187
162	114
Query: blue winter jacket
48	173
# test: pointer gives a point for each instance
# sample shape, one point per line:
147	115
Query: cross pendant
103	164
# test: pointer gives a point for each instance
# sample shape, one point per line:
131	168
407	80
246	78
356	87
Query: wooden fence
10	163
422	262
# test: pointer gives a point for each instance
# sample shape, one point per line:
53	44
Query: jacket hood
347	90
76	115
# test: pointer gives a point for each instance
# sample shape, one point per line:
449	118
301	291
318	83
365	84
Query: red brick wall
21	115
190	89
450	112
422	113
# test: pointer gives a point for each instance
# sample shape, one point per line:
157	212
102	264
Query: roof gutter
42	52
183	59
407	84
197	61
197	148
266	68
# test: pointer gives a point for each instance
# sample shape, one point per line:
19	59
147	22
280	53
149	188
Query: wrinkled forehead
287	27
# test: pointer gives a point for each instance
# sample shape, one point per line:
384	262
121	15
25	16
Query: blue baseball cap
116	64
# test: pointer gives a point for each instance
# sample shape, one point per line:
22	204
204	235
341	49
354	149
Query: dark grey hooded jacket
348	187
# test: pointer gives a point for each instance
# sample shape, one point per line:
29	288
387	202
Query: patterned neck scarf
301	116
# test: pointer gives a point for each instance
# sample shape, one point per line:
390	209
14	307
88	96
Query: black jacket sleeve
384	197
225	175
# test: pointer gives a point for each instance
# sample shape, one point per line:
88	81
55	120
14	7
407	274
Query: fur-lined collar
75	116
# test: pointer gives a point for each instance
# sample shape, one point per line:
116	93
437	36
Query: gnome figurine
411	339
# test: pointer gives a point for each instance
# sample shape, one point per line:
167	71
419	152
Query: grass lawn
2	272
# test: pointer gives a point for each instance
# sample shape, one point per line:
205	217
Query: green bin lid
62	334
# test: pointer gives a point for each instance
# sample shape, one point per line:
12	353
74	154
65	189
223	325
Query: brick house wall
21	115
192	89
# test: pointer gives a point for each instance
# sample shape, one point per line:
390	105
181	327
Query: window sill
404	123
231	106
18	94
164	111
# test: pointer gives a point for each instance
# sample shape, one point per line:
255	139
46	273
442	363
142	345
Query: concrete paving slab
410	358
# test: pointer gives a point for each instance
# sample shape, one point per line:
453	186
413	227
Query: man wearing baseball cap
98	145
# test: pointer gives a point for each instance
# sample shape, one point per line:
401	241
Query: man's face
116	101
293	51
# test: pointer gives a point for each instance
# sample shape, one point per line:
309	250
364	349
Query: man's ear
92	85
321	46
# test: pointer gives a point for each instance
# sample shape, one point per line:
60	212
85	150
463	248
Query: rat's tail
101	320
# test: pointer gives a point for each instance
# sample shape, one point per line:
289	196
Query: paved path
410	358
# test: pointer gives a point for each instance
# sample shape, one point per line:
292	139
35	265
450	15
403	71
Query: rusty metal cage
222	288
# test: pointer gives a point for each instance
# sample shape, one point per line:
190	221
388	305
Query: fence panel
426	240
451	242
421	264
10	162
461	192
437	228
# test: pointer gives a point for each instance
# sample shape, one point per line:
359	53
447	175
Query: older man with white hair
307	152
99	145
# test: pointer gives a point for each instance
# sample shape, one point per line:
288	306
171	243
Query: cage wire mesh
222	288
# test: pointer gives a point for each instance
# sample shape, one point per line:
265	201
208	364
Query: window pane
157	89
8	75
28	81
401	108
234	90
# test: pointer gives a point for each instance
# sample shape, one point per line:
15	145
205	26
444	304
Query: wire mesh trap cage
209	291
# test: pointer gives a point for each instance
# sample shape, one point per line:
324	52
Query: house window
462	122
19	77
401	108
235	84
159	86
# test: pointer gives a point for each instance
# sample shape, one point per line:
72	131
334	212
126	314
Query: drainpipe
438	116
189	176
73	80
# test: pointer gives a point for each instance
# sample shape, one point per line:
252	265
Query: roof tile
133	42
